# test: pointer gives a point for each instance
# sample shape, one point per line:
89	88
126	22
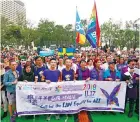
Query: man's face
23	62
53	63
109	59
132	63
112	66
39	61
13	66
79	59
68	63
117	58
121	60
138	63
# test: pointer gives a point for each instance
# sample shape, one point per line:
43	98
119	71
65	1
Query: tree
29	35
4	29
118	35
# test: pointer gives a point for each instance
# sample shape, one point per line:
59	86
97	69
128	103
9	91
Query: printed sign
69	97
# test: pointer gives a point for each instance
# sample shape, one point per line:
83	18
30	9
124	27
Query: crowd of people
85	65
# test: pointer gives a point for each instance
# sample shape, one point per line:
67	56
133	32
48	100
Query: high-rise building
13	10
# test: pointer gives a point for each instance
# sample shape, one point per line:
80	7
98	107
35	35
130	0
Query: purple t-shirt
37	71
52	75
83	74
113	75
67	75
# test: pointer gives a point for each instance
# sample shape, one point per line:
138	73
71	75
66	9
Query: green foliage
47	33
119	35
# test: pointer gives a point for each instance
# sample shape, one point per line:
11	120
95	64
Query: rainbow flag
80	33
93	31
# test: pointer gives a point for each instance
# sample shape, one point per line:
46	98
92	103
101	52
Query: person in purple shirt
121	64
82	72
131	93
52	75
20	66
136	76
39	69
68	73
97	73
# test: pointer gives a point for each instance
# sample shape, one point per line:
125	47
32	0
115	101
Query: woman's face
98	64
60	61
93	57
28	69
6	60
90	62
83	64
46	59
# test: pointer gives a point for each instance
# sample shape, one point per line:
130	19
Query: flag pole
97	51
75	32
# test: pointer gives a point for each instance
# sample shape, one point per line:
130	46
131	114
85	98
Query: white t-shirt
90	67
74	67
60	68
105	66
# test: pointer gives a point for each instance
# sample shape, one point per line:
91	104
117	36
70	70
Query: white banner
69	97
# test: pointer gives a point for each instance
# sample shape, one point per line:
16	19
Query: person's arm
43	76
60	77
35	74
118	76
88	74
74	75
1	86
5	80
20	78
36	78
106	76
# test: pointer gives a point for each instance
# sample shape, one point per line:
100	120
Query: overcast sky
64	11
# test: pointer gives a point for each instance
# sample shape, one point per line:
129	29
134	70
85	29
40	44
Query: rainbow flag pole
93	31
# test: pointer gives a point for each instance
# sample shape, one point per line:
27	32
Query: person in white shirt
90	64
61	66
105	65
74	66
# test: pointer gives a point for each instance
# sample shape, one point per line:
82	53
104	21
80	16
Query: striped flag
93	31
